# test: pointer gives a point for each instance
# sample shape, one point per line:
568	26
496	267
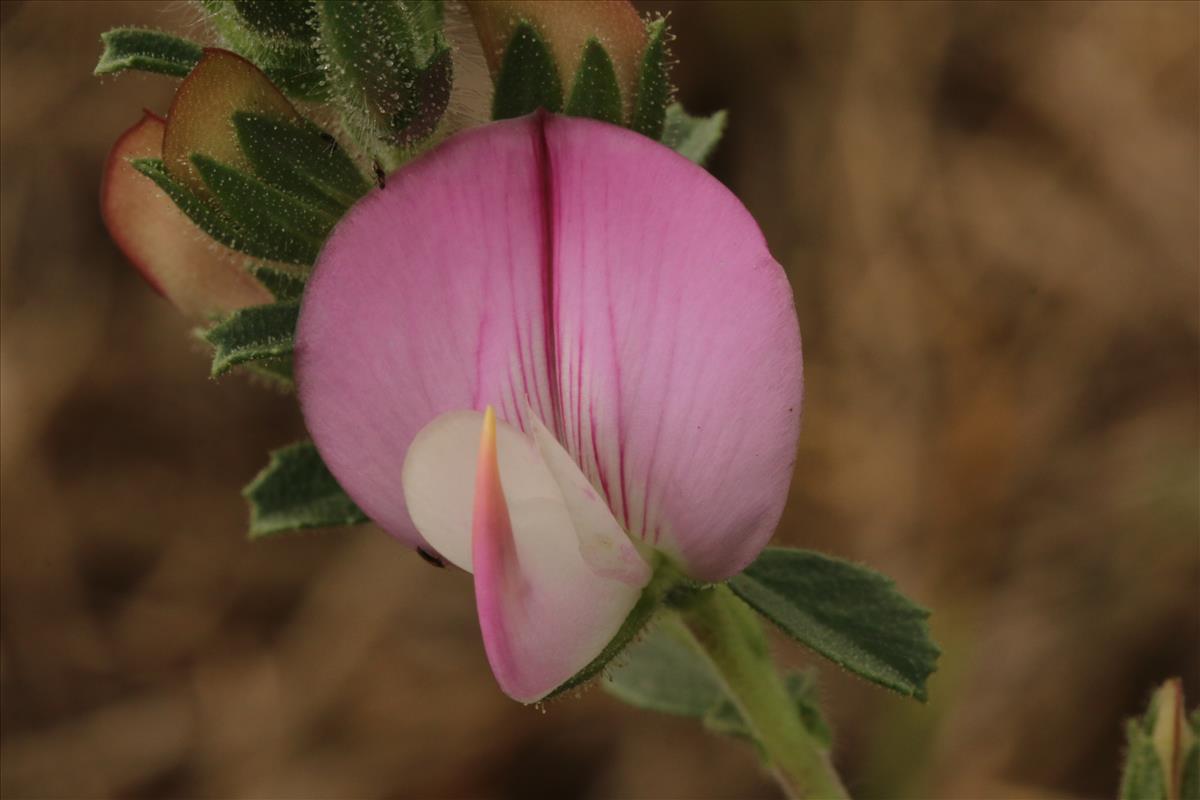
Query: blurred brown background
990	215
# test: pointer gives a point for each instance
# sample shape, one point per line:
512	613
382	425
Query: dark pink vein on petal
548	287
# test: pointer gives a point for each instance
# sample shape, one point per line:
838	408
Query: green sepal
292	64
850	614
427	100
257	333
693	138
386	70
292	229
1189	779
665	671
147	50
282	285
528	79
295	68
596	93
206	216
654	83
295	491
427	18
302	159
285	19
1162	749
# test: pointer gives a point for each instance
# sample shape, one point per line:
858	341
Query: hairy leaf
693	138
301	158
295	491
205	215
258	333
386	70
283	286
291	61
665	671
147	50
276	372
846	612
725	718
1142	777
292	229
288	19
427	18
1189	779
1162	757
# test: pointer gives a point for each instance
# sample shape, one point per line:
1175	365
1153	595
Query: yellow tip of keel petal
489	520
487	440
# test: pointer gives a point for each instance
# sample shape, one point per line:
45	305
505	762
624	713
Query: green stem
730	635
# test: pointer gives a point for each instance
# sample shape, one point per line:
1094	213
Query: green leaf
290	228
528	79
292	64
147	50
282	285
287	19
595	93
724	717
207	217
847	613
427	17
427	101
1189	782
275	371
295	491
302	159
257	333
1142	778
693	138
654	83
295	68
802	688
664	671
1162	757
385	69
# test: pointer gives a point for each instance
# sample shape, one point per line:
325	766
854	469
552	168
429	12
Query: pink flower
619	310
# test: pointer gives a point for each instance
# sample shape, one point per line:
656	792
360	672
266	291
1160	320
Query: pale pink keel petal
481	494
678	346
602	543
439	479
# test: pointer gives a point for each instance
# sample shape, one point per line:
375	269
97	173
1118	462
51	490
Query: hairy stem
729	633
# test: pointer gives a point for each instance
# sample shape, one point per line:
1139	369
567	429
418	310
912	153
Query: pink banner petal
612	285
